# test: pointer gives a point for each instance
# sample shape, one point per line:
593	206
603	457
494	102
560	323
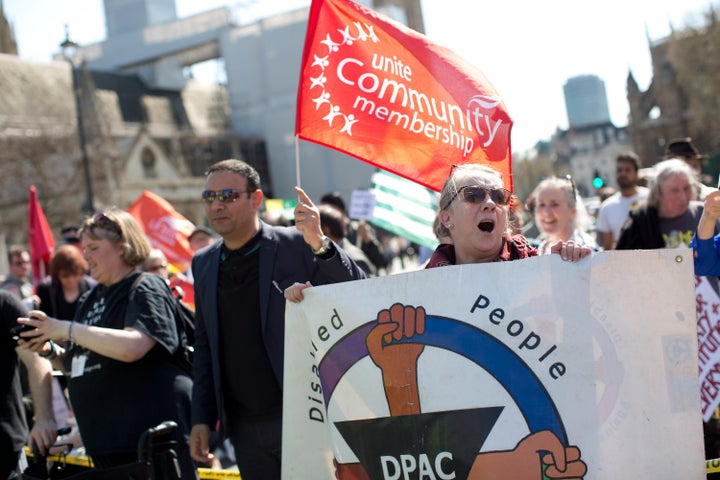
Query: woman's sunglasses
476	194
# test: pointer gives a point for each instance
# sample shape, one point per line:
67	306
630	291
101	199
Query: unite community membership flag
377	90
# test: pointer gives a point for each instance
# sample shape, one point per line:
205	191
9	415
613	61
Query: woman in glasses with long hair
121	355
474	210
560	214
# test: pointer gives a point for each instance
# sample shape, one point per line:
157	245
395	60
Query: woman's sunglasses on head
101	220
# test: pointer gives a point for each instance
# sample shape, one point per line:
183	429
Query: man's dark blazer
285	258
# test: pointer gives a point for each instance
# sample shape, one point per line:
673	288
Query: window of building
148	163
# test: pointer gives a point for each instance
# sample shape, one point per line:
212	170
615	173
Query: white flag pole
297	161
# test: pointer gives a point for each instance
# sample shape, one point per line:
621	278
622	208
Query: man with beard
614	211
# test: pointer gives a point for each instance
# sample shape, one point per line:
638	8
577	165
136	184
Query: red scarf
513	248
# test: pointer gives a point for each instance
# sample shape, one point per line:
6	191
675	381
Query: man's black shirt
249	384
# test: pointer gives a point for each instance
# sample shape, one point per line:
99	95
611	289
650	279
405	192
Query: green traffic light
598	182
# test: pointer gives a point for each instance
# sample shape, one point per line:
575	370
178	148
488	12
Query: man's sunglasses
227	195
476	194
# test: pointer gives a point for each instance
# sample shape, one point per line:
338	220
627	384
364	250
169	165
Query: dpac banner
377	90
530	369
165	227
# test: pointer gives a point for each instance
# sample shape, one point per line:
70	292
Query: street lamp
69	53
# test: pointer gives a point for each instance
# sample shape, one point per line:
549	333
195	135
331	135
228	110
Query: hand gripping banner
377	90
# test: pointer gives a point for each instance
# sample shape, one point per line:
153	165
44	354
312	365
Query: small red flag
377	90
165	227
42	243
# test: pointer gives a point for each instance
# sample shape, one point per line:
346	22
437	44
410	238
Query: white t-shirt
614	211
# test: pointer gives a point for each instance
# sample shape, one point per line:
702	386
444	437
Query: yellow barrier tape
210	473
70	459
85	461
712	466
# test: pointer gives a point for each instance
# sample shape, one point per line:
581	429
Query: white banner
503	370
362	204
707	304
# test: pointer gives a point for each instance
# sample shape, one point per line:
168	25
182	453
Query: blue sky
528	49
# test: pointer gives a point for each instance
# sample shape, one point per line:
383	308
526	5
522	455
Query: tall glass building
586	101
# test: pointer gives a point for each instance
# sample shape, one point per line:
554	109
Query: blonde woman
560	215
120	358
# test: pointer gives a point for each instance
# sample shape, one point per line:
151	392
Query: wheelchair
156	460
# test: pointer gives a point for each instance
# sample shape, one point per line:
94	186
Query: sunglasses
570	179
227	195
106	223
477	194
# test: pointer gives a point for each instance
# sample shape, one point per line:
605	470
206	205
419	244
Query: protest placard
595	362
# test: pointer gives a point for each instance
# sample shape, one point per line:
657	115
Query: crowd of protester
112	331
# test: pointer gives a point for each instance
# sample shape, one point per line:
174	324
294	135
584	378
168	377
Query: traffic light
598	181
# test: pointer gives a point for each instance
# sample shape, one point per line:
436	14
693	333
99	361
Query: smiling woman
560	214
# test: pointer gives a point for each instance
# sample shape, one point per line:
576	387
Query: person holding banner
473	215
240	314
474	211
560	214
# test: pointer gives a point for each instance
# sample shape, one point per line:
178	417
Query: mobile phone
18	329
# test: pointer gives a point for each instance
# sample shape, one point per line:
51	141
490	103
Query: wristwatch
324	246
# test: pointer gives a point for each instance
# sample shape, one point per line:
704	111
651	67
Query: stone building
7	38
659	113
584	150
682	99
136	138
149	126
261	60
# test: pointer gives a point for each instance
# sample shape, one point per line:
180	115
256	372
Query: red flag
42	243
377	90
166	228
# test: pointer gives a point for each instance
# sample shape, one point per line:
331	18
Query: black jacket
641	230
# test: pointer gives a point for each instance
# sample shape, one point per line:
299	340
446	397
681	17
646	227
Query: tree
693	55
527	173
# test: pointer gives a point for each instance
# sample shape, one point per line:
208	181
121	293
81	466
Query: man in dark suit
240	314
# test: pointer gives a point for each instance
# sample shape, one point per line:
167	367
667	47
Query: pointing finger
302	196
